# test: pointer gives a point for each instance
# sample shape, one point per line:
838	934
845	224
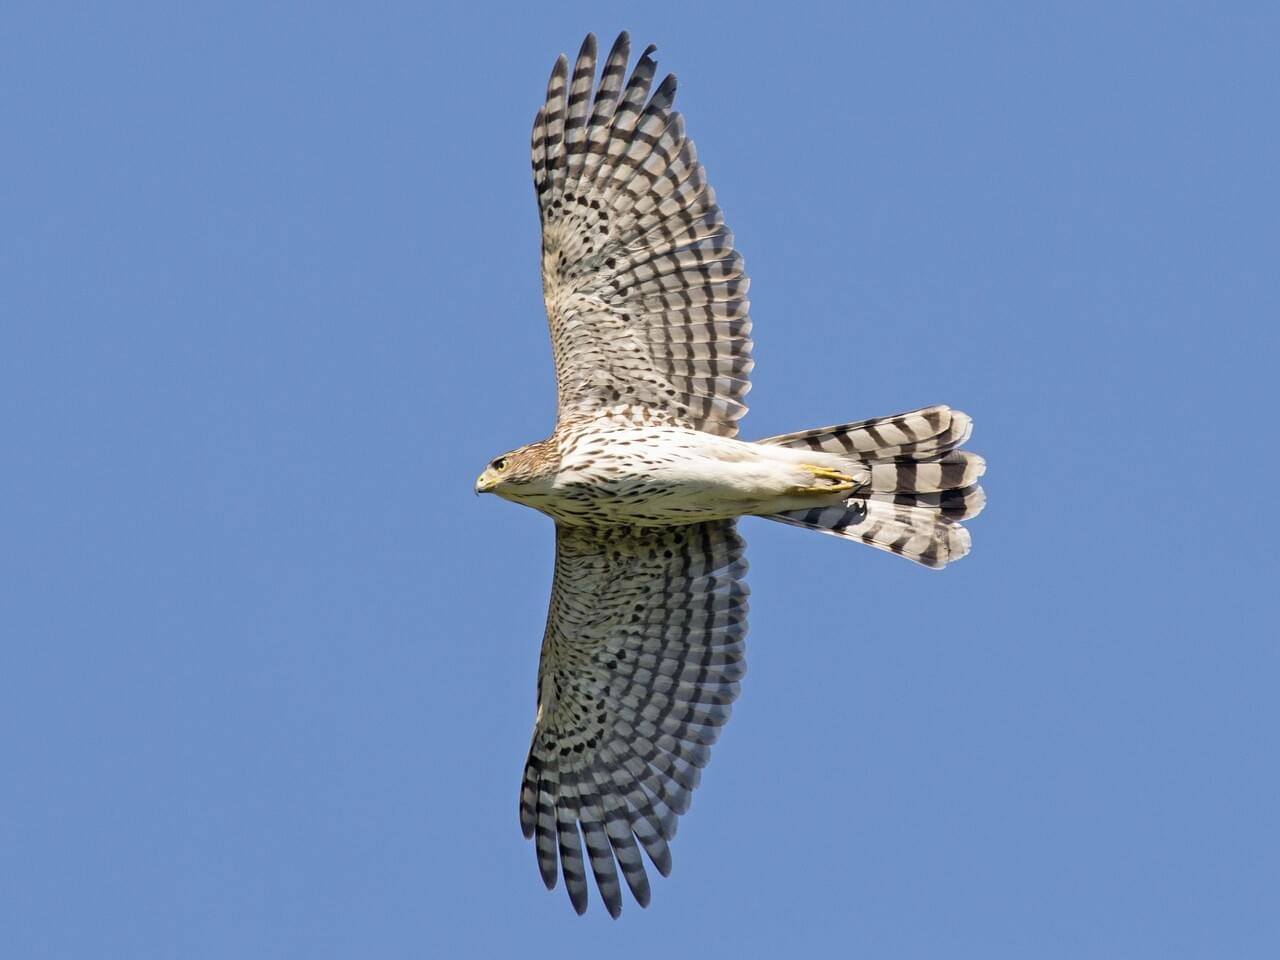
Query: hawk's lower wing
640	663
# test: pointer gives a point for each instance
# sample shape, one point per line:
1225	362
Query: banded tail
919	489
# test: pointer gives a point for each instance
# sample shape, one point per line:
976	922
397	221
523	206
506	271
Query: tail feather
918	484
962	504
917	533
954	469
919	433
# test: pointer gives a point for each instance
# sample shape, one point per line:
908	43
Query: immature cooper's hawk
643	476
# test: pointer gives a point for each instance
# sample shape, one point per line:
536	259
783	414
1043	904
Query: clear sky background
269	300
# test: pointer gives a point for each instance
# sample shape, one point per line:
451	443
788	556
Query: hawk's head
523	471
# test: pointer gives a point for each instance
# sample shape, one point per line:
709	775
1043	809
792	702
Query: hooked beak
485	483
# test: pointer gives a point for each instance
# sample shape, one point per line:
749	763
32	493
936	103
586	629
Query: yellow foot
837	482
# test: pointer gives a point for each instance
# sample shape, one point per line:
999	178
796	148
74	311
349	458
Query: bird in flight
644	477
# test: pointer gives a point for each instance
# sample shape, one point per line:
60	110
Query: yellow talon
826	473
839	482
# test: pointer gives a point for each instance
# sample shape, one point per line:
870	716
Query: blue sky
270	301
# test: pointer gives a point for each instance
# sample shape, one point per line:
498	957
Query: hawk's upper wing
641	660
644	290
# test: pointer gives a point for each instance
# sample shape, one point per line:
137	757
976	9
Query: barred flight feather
640	667
638	268
926	432
921	534
917	484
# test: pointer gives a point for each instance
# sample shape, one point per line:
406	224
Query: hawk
644	477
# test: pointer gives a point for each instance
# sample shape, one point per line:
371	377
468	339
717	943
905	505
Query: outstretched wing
644	291
640	663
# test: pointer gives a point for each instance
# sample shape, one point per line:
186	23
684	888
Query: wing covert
643	651
645	293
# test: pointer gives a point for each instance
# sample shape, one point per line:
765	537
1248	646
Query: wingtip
621	46
661	863
641	895
549	878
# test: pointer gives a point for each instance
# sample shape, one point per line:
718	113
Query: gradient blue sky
270	301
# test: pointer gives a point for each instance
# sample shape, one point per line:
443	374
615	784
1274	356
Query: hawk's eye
500	464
